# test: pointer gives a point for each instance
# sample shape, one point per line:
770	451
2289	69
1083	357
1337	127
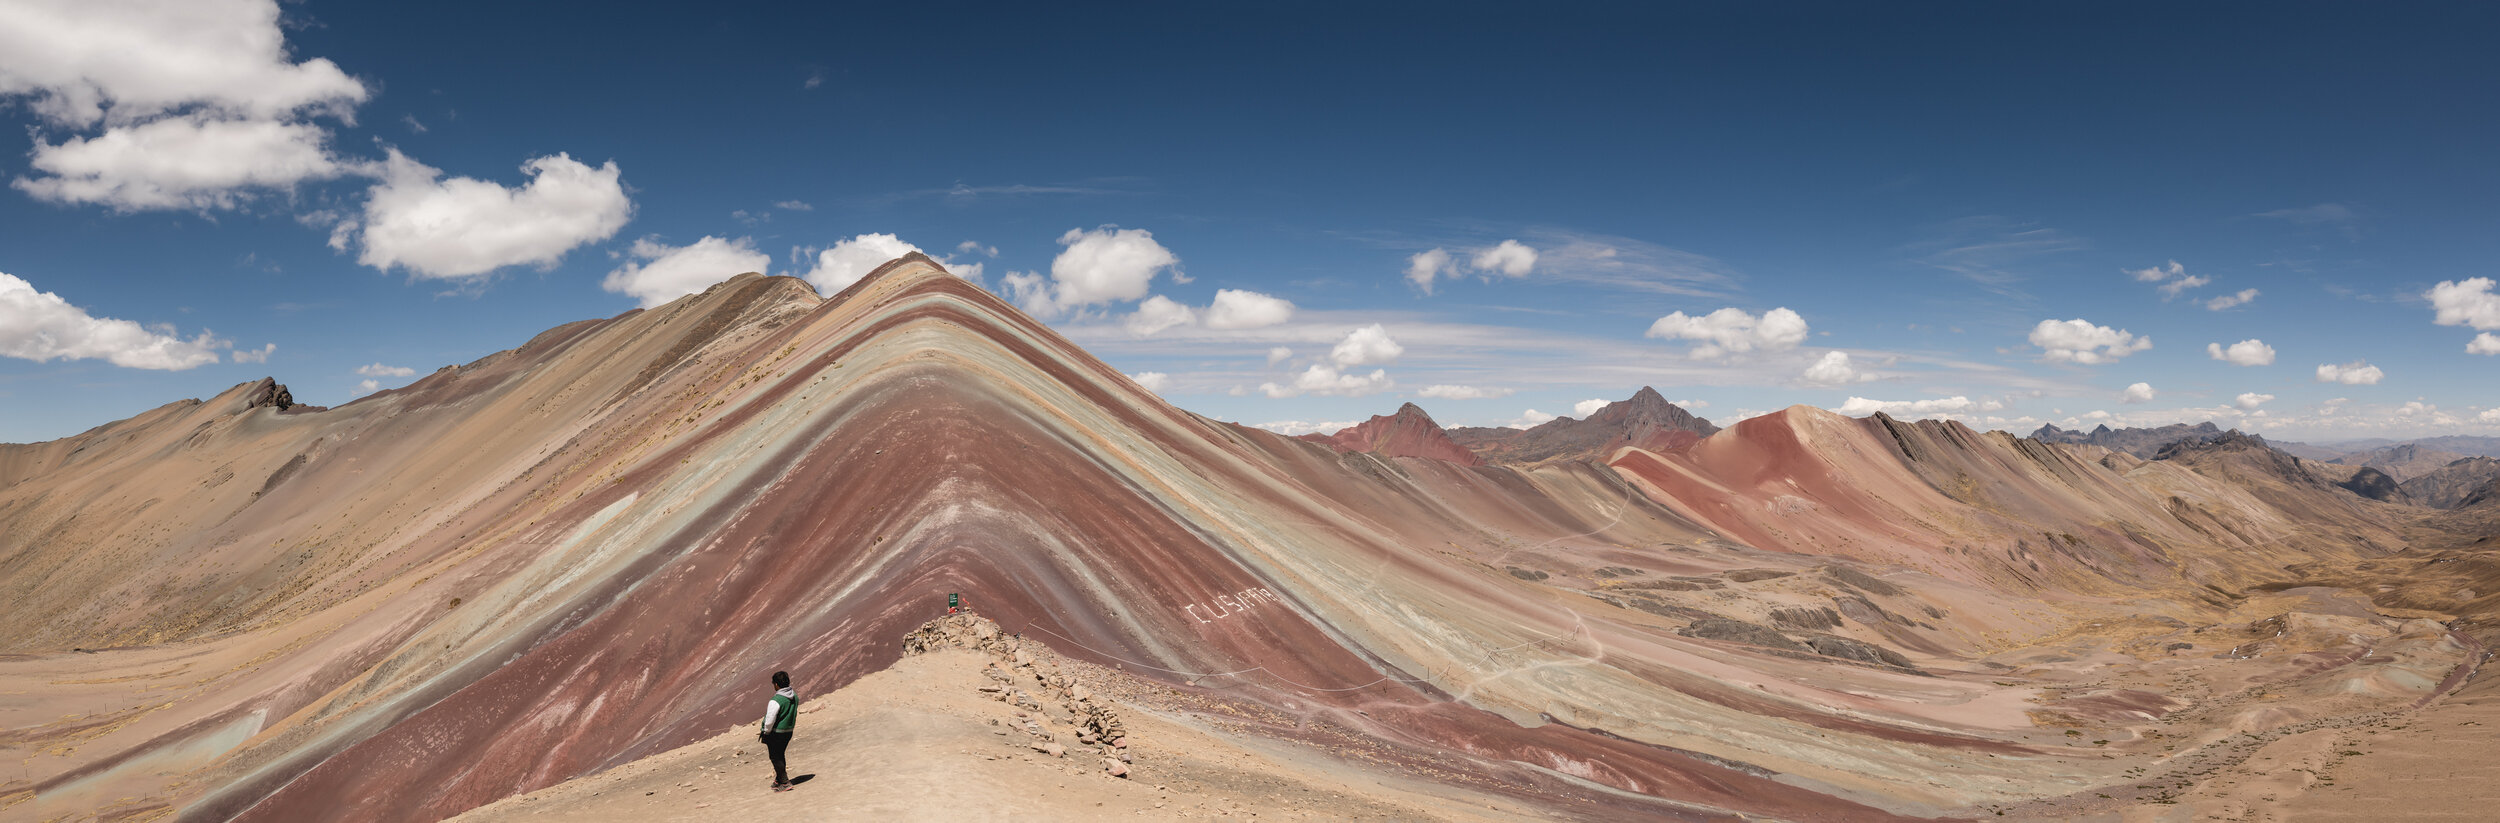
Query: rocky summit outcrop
1408	433
1645	421
1027	676
2142	443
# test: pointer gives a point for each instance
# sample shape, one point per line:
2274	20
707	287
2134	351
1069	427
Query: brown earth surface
575	562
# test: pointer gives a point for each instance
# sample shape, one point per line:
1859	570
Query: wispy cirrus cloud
1993	252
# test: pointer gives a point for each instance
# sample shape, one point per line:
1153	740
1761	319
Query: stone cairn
1019	677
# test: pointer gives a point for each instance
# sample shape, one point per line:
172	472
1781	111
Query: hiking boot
782	787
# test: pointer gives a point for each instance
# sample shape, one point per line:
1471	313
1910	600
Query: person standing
781	716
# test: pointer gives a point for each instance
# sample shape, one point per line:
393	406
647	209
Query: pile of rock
1017	666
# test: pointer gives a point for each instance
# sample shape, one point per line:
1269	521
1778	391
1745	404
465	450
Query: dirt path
921	738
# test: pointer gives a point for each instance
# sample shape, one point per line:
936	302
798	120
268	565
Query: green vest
788	717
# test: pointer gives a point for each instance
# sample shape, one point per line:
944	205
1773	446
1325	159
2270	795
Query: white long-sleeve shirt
772	708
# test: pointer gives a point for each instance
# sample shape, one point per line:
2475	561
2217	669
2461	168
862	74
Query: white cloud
1290	428
464	227
1588	407
262	356
2250	352
86	61
1422	268
2355	373
2174	287
1510	259
1861	407
180	163
1105	265
2249	401
1153	381
379	370
367	386
1158	313
661	272
1732	330
1366	346
1692	404
851	259
1323	379
1529	419
1449	392
1237	309
2489	416
2231	300
2156	274
793	205
975	247
2078	341
1278	354
2468	302
40	326
2137	393
1834	370
2485	343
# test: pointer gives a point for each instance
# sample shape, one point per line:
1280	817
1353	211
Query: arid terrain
551	583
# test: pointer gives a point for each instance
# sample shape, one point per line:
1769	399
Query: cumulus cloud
2485	343
1238	309
1861	406
2078	341
849	260
376	369
2355	373
1510	259
2174	287
1153	381
1324	379
1834	370
2155	274
2137	393
1158	313
86	61
1427	266
40	326
2249	401
2489	416
1366	346
367	386
1449	392
2469	302
1530	419
199	103
180	163
262	356
1278	354
465	227
2230	301
1588	407
1733	331
1106	265
1292	428
659	272
2250	352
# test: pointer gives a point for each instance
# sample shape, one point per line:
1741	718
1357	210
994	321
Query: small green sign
954	601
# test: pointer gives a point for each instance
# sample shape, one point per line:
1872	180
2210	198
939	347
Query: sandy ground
920	739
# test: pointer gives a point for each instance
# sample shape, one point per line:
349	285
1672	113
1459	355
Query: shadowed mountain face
1646	421
592	548
2402	462
2449	486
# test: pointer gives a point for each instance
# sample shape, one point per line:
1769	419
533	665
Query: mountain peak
1409	432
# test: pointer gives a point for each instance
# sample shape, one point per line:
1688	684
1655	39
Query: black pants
775	743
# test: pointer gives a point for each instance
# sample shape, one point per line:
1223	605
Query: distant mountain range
2142	443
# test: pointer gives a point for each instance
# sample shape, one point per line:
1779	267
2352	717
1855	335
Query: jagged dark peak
2232	440
1412	410
2140	442
1648	408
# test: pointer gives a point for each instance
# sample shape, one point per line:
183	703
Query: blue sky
1745	206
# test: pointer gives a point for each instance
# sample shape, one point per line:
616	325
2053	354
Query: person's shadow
798	779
